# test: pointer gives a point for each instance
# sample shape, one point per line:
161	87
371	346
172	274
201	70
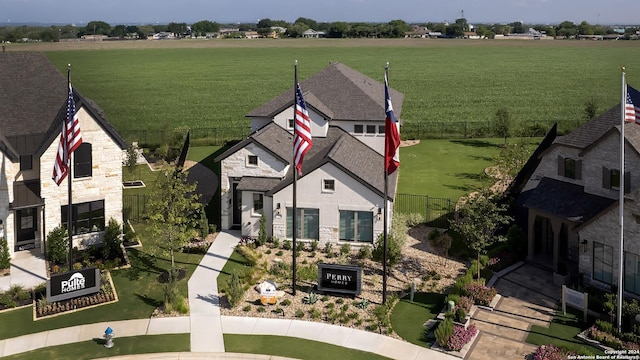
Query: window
252	160
602	262
356	226
290	123
258	203
611	179
307	224
632	273
87	217
381	129
26	162
82	162
371	129
328	185
358	129
570	168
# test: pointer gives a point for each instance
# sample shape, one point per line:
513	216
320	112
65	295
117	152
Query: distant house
164	35
471	35
341	192
572	204
417	32
98	37
310	33
251	34
31	116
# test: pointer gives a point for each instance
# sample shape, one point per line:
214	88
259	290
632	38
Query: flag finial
295	63
387	66
623	68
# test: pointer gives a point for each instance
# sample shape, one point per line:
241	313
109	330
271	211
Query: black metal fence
199	136
134	207
435	211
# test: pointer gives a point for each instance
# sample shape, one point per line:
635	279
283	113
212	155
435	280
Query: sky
611	12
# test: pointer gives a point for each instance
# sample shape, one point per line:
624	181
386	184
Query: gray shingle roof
348	154
591	131
251	183
33	97
338	92
566	200
271	137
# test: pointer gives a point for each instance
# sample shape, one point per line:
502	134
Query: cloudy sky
229	11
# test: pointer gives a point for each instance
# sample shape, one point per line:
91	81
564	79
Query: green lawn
448	168
293	348
408	317
562	332
122	346
150	90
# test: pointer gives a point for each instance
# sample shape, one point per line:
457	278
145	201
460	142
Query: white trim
324	186
248	161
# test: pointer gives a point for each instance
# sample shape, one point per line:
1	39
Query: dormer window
328	185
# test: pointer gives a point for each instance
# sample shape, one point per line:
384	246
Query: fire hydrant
108	336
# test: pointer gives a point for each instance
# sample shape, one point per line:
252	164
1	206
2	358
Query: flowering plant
481	294
461	337
551	352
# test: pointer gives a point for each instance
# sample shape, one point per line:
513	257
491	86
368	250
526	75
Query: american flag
302	131
70	140
632	106
391	133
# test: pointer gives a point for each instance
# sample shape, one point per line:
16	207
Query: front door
26	229
236	206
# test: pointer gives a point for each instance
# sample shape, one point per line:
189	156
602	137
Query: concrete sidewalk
207	326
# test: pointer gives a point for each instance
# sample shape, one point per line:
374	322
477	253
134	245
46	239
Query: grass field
159	85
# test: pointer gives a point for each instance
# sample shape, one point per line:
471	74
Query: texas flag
391	133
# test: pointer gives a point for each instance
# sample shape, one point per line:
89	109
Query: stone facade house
572	203
340	196
33	97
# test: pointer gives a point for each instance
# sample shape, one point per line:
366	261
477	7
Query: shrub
236	290
286	244
394	249
276	242
279	253
328	248
246	308
111	240
300	246
261	309
444	331
5	259
550	352
345	249
57	245
314	313
364	252
262	233
285	302
308	272
249	254
299	313
314	245
460	337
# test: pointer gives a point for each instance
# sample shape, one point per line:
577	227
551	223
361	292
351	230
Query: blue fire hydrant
108	336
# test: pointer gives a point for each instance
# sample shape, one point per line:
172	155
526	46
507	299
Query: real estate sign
340	278
72	284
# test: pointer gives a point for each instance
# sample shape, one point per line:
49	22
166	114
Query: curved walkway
207	326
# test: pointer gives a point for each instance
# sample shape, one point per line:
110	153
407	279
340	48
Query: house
32	108
340	196
572	202
310	33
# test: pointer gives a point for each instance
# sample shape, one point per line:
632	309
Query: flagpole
621	203
295	180
384	204
69	167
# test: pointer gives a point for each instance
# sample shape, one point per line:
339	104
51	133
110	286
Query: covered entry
26	208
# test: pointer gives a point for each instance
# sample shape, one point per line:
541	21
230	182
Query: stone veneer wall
104	184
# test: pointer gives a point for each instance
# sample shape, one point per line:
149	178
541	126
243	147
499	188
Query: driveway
529	297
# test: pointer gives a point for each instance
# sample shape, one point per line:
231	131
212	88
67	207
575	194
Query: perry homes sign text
340	278
74	283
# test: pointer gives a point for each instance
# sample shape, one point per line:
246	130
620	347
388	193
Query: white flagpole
621	201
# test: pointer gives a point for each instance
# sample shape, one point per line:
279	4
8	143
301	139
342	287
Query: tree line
266	27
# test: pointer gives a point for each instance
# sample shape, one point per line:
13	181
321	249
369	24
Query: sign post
575	299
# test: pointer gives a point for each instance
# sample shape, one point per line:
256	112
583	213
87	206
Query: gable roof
271	137
592	130
33	97
348	154
328	89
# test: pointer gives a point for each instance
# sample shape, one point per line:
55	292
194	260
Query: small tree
173	209
591	108
262	233
478	219
132	160
57	245
394	249
5	259
502	123
234	294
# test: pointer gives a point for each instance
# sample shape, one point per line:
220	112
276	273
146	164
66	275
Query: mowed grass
163	88
408	317
448	168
